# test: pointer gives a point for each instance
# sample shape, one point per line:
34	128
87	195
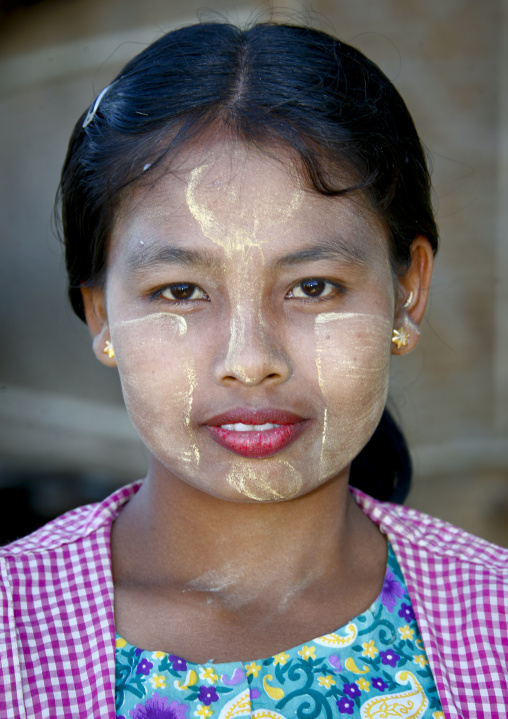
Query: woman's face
251	321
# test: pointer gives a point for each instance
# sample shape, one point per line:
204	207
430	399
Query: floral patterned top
373	667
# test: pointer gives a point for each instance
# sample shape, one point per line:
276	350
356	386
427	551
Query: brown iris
312	287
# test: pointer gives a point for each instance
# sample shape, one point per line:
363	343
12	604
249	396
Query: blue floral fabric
373	667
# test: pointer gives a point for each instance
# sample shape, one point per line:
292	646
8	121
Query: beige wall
447	58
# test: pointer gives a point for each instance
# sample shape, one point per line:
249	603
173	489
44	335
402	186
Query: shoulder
458	584
429	536
72	526
67	562
57	583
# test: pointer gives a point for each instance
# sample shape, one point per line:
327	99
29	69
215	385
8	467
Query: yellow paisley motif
273	692
352	667
238	706
335	640
190	679
410	704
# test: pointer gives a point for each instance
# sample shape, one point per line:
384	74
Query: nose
254	355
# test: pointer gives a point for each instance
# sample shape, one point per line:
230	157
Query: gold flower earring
400	338
108	349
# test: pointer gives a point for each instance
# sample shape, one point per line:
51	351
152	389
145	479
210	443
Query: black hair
283	88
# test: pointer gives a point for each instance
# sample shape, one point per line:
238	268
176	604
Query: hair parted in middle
294	92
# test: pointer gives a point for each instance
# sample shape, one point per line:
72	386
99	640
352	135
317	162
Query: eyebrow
335	249
145	257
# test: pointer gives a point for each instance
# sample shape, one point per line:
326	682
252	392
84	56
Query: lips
256	433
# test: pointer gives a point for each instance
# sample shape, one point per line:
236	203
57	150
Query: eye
313	287
182	291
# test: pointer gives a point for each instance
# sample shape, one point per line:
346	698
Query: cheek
150	350
353	364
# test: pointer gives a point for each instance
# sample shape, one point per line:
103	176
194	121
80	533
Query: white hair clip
93	109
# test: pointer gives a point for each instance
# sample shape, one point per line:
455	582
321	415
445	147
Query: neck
239	552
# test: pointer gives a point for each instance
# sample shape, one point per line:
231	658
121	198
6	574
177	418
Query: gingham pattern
57	655
458	586
57	640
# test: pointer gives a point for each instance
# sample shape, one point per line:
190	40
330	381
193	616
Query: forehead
235	196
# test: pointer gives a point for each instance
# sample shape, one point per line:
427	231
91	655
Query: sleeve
11	691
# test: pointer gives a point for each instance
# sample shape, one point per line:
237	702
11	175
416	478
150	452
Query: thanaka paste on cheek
151	401
166	321
141	343
353	363
190	455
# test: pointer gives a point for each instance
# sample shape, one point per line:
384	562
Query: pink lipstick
256	433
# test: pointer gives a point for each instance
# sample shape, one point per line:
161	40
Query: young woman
249	236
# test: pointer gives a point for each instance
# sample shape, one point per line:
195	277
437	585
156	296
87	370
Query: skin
248	337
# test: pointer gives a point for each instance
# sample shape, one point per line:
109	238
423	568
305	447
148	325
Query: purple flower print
389	657
207	695
406	612
392	591
144	666
346	706
178	664
378	684
352	690
159	708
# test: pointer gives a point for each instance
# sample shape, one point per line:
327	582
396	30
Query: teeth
240	427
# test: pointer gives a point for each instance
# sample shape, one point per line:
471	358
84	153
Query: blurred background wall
64	435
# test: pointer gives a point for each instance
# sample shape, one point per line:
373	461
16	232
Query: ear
414	288
97	321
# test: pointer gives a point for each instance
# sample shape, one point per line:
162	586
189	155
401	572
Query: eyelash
319	283
159	294
333	286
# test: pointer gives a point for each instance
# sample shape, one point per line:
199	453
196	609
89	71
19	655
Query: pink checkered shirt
57	640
